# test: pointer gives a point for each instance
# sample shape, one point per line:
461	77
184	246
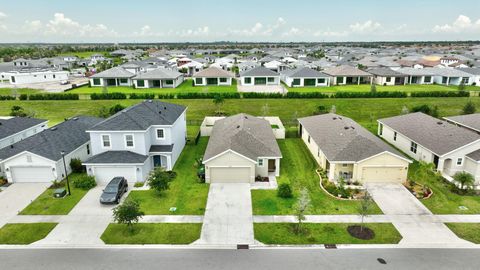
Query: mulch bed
357	232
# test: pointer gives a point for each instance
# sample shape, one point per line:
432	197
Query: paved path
16	197
413	220
228	217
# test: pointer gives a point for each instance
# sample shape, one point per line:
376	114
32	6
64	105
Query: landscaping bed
322	233
152	233
418	190
466	231
24	233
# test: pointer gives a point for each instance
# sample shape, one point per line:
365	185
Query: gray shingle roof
247	135
416	71
141	116
117	157
66	136
436	135
471	121
116	72
213	72
345	70
342	139
304	72
386	72
14	125
161	148
259	71
158	74
475	155
473	71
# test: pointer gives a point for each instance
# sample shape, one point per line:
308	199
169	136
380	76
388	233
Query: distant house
213	76
418	76
35	76
468	121
15	129
450	76
387	76
346	150
158	78
343	75
475	73
117	76
259	76
241	147
304	77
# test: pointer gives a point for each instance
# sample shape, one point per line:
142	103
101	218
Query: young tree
17	111
469	108
116	108
373	88
333	109
218	100
465	180
159	179
265	109
405	110
103	112
364	208
300	207
461	86
128	213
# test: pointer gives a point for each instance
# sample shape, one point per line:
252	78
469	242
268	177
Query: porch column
277	167
331	172
354	172
358	80
116	82
448	80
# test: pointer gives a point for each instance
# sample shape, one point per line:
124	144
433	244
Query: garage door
309	82
103	175
383	174
32	174
229	175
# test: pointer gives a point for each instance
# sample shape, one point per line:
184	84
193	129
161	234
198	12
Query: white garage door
383	174
32	174
229	175
103	175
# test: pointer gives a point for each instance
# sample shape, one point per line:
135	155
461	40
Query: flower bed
418	190
345	192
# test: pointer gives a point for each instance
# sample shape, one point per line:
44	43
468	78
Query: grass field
467	231
366	88
298	169
322	233
152	233
18	91
24	234
185	193
83	54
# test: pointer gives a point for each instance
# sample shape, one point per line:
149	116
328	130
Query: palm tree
465	179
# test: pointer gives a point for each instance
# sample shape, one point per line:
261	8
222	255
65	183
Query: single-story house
117	76
259	76
449	147
348	151
38	158
451	76
15	129
418	75
213	76
345	74
304	77
475	73
468	121
158	78
32	75
387	76
241	147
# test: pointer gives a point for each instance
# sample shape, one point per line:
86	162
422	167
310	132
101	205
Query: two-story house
136	140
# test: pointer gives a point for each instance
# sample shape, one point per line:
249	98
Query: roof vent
165	107
160	112
11	146
149	101
346	127
238	126
439	123
334	118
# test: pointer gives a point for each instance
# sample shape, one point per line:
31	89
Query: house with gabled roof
259	76
15	129
304	77
387	76
158	78
213	76
116	76
345	74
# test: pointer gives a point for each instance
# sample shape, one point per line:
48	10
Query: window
380	129
129	140
169	82
270	79
54	76
459	161
260	162
223	80
296	82
428	79
106	141
444	80
340	80
389	79
96	81
198	80
413	147
123	80
321	81
395	136
344	165
465	80
12	79
140	83
248	80
160	133
88	149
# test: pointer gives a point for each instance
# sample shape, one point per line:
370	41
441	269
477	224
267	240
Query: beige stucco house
347	150
241	147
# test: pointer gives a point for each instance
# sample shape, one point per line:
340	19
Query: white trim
30	128
109	141
388	152
230	151
23	152
461	161
475	161
126	142
156	134
460	124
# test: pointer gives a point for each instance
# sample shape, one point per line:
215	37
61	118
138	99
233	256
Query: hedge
96	96
385	94
53	97
206	95
441	94
166	96
306	95
141	96
7	98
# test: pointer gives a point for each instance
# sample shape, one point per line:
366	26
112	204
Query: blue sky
246	20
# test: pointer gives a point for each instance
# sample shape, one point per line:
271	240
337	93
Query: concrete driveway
413	220
228	218
84	225
18	196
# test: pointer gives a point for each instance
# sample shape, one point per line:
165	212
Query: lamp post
66	174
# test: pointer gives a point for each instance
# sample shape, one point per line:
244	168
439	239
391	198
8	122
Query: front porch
161	156
337	172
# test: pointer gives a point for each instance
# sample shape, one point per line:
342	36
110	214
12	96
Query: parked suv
114	190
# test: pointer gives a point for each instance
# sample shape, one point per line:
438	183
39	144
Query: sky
244	20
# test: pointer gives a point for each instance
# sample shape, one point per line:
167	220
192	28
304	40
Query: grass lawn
185	193
86	54
298	168
18	91
443	201
152	233
366	88
46	204
322	233
467	231
24	234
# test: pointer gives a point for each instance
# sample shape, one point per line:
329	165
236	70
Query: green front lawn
467	231
85	54
152	233
297	167
24	233
366	88
322	233
443	201
46	204
185	193
18	91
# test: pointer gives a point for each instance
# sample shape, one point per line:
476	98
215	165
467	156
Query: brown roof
213	72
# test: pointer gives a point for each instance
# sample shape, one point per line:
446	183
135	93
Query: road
278	259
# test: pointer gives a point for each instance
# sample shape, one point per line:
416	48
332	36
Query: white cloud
366	27
2	17
461	25
292	32
330	34
199	32
32	26
64	26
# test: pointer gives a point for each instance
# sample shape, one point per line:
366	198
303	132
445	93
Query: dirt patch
361	233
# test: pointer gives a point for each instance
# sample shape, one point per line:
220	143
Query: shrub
469	108
383	94
426	109
160	179
115	109
17	111
306	95
166	96
99	96
440	94
195	95
76	165
23	97
7	98
141	96
60	96
85	182
284	191
139	184
128	213
261	95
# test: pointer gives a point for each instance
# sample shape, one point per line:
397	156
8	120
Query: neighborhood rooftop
213	72
471	121
345	70
303	72
12	125
258	72
116	72
159	73
117	157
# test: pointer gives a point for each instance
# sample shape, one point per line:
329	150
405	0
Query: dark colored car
114	190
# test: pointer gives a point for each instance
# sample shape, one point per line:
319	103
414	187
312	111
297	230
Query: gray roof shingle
247	135
346	70
116	72
304	72
161	148
342	139
158	74
15	125
117	157
213	72
471	121
259	71
386	72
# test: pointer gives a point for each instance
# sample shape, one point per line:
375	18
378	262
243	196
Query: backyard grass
24	233
46	204
18	91
322	233
152	233
366	88
467	231
86	54
185	193
298	168
444	201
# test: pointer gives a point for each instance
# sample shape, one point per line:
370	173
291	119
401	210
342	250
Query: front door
156	83
271	165
157	161
435	161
